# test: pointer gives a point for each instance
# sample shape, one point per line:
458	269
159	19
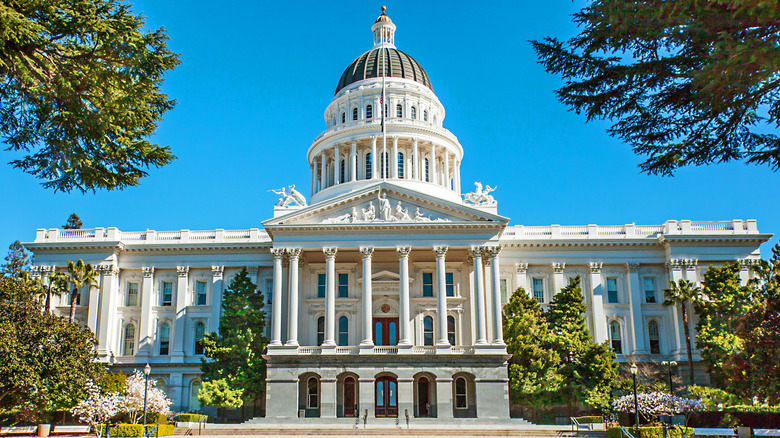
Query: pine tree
588	369
235	353
73	223
533	367
16	261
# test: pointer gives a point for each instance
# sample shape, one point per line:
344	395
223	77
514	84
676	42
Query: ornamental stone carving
183	270
675	264
440	251
475	252
521	268
252	270
632	267
403	251
492	252
294	253
367	252
277	253
148	271
290	197
747	264
558	267
330	253
385	212
690	264
480	196
217	271
595	267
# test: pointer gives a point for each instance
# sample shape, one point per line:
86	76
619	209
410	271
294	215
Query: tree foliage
235	353
80	92
73	223
16	261
684	82
682	294
46	361
218	393
80	274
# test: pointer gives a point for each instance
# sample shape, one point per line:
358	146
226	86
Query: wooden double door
385	331
386	389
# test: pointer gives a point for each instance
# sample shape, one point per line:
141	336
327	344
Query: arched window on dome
426	172
343	170
399	111
343	117
425	115
369	111
354	113
414	112
400	165
369	173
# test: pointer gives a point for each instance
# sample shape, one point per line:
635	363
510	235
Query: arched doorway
423	397
350	398
386	390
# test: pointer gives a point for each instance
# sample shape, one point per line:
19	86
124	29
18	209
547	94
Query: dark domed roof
397	65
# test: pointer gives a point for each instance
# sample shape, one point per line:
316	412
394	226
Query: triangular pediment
385	204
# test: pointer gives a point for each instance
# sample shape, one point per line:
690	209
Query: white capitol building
385	290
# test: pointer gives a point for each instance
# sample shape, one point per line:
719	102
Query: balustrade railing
424	350
386	349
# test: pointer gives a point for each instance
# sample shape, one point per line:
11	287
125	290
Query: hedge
649	432
590	419
192	417
136	430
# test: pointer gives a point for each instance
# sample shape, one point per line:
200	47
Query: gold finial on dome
384	8
383	17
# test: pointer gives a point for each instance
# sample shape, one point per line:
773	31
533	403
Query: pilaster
292	301
181	312
147	327
635	294
521	279
600	333
367	343
216	296
109	291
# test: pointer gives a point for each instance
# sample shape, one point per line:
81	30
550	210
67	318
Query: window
320	285
614	335
343	285
132	294
200	330
369	111
320	330
425	115
612	290
650	290
386	113
428	330
400	165
167	293
538	284
427	284
460	393
343	331
194	402
200	293
129	344
427	175
414	112
354	113
399	111
312	393
502	286
451	329
449	282
165	339
369	175
652	334
343	170
343	117
269	290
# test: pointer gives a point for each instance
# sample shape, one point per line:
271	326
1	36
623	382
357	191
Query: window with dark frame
427	284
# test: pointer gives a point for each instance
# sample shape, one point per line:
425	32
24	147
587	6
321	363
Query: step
326	432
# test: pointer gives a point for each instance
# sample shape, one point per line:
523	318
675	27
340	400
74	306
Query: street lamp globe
147	369
633	369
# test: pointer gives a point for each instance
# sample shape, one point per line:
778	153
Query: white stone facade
385	291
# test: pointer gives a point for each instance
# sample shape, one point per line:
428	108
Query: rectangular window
427	284
502	285
450	282
650	290
165	339
612	290
539	289
167	293
132	294
320	285
200	293
269	290
343	285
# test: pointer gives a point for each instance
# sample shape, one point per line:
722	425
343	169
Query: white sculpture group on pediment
480	197
385	213
290	197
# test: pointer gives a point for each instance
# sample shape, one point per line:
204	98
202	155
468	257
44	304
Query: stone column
276	300
336	166
109	292
394	159
353	162
405	319
147	323
488	283
675	267
476	254
313	168
368	312
374	169
559	282
181	311
441	295
600	333
433	178
323	175
415	160
495	277
330	297
216	296
93	301
521	279
446	168
636	296
457	177
292	300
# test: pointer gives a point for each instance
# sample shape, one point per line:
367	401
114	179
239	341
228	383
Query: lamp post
147	370
669	366
636	402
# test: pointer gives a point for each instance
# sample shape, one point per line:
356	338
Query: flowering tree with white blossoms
97	408
654	404
133	402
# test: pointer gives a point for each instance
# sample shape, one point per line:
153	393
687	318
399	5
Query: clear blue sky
255	80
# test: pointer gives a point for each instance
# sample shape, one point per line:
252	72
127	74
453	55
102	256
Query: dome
397	65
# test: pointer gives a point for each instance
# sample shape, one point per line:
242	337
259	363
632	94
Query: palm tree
58	285
682	293
80	274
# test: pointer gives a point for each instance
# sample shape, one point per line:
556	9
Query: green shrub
136	430
753	409
191	417
590	419
647	432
